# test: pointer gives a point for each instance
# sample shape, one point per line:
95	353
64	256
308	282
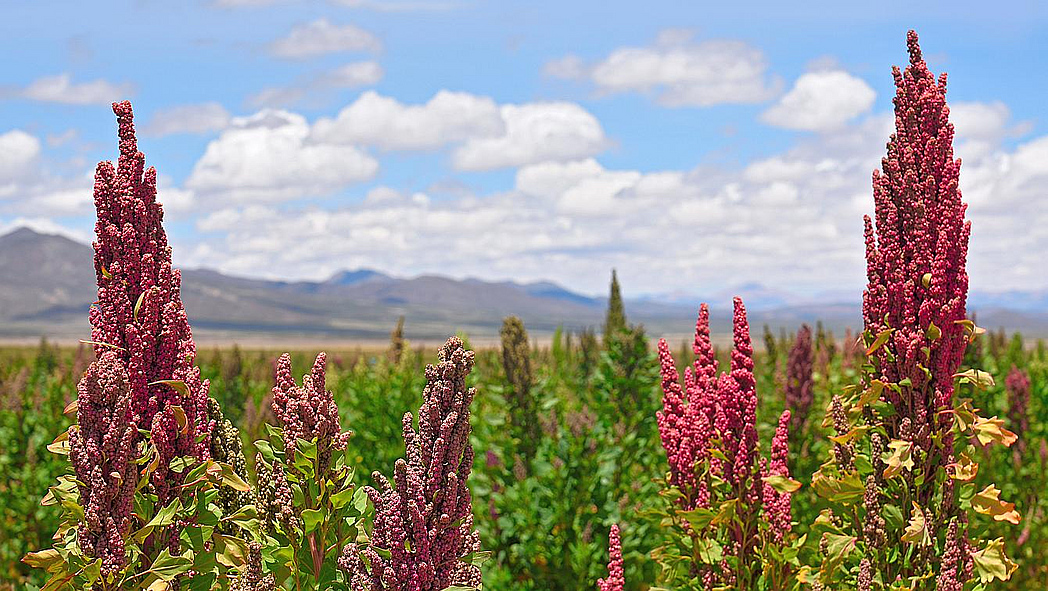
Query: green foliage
597	461
615	321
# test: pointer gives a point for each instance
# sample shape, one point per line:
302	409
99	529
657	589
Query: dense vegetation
592	467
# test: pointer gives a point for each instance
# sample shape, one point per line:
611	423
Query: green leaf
343	497
360	500
167	567
781	484
882	337
163	518
311	518
231	479
838	547
698	518
933	333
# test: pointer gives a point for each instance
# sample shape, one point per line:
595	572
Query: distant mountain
47	283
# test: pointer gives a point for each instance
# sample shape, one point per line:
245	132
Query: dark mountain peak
354	277
24	235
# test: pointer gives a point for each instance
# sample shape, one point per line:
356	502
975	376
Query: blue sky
694	146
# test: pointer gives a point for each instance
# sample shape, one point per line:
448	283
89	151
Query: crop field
545	497
909	454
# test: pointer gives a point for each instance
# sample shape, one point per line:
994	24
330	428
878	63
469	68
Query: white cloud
792	219
385	122
18	151
268	157
192	119
535	132
61	89
353	75
679	71
488	135
821	101
322	37
276	97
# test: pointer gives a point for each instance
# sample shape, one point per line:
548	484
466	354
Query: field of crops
909	455
595	459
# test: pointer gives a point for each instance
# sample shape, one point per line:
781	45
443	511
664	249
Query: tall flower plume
102	450
616	580
687	415
139	315
1018	385
916	252
799	383
516	360
724	408
308	411
424	526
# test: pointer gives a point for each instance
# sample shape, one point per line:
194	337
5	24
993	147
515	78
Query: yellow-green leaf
43	559
933	332
898	457
988	502
992	429
882	337
917	530
847	489
964	469
992	563
871	394
976	377
60	445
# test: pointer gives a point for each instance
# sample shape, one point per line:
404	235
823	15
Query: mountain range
47	283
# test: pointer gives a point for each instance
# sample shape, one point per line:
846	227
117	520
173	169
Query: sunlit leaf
992	563
782	484
992	429
988	502
898	457
917	531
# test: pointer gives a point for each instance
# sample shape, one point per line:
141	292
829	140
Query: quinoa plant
728	509
423	537
516	360
616	580
141	504
903	510
306	503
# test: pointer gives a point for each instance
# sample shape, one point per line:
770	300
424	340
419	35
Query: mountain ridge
47	282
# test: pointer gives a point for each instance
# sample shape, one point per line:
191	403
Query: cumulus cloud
385	122
18	151
678	71
821	101
322	37
190	119
61	89
793	219
535	132
487	135
268	157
